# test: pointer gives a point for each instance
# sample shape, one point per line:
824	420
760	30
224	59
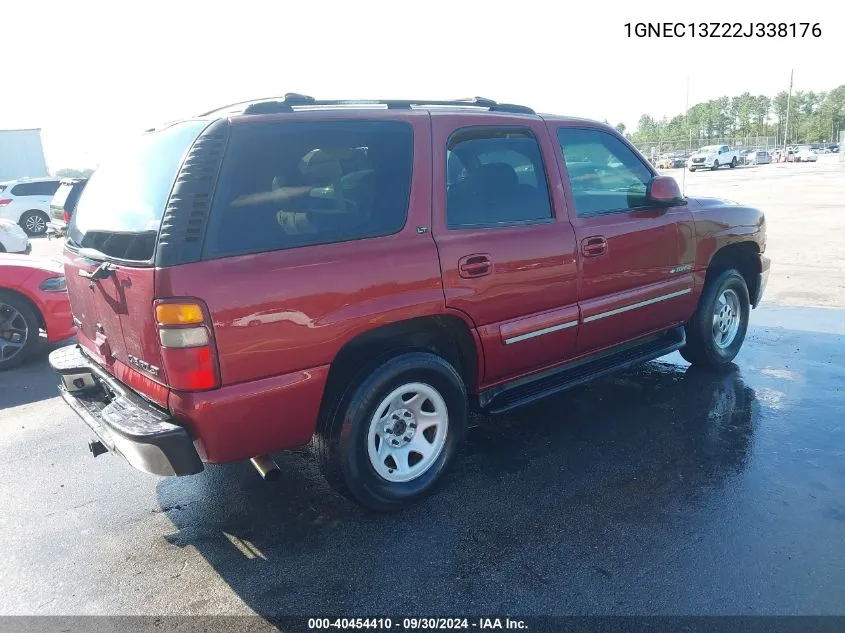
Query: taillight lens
5	202
187	347
66	216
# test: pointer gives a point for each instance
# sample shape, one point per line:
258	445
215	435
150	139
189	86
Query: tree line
814	117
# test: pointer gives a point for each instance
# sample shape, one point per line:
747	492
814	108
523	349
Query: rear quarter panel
288	310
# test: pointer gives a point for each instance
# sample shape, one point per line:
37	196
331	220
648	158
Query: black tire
341	441
701	348
692	168
32	339
715	165
733	162
34	222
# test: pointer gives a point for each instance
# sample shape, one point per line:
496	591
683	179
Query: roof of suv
277	107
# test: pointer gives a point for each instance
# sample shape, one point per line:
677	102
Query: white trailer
22	155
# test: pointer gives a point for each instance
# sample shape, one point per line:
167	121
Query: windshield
709	148
120	209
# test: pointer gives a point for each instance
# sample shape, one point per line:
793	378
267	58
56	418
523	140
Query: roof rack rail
290	100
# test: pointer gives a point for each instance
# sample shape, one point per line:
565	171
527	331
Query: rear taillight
5	202
66	216
187	345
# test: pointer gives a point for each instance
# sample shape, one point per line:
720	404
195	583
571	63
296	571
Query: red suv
363	273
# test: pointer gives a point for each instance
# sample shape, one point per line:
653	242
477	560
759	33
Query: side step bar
526	390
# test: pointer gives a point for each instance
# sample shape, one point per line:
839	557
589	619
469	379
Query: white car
760	157
27	202
805	155
713	157
13	239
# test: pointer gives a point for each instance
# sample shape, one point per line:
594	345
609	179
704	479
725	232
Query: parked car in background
805	155
713	157
13	239
760	157
671	160
783	155
33	300
27	202
225	329
63	204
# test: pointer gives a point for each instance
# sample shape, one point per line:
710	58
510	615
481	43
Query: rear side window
43	188
290	184
119	212
495	177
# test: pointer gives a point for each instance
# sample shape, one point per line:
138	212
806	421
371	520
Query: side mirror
664	191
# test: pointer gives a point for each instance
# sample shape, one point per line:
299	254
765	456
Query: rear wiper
93	254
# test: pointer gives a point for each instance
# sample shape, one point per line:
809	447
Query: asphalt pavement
662	490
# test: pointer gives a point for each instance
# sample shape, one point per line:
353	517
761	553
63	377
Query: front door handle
593	246
476	265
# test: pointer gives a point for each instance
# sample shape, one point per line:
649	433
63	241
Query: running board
526	390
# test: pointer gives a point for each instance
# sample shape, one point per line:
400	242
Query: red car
364	273
33	297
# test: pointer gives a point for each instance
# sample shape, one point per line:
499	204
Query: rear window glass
62	194
42	188
291	184
119	212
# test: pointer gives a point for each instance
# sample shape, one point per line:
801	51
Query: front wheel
716	331
395	431
715	165
692	168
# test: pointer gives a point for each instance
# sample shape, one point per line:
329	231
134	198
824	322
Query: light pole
788	101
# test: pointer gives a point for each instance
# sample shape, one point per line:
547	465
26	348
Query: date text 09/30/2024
723	29
413	624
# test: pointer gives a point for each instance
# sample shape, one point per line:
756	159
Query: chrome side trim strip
545	330
640	304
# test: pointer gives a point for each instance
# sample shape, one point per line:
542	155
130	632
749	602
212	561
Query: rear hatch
65	199
109	255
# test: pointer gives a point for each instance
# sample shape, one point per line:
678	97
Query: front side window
495	177
291	184
605	175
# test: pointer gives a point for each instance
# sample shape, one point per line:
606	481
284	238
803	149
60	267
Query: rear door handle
593	246
476	265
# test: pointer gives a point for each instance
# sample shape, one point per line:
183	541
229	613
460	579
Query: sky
100	71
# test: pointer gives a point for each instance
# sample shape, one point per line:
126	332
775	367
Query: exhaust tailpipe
266	467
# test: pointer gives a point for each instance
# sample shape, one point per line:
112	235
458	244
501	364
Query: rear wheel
391	435
733	162
34	222
692	168
716	331
19	330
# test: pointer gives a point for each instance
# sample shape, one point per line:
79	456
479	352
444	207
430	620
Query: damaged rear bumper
126	424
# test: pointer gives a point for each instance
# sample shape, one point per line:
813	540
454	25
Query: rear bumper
145	435
56	228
